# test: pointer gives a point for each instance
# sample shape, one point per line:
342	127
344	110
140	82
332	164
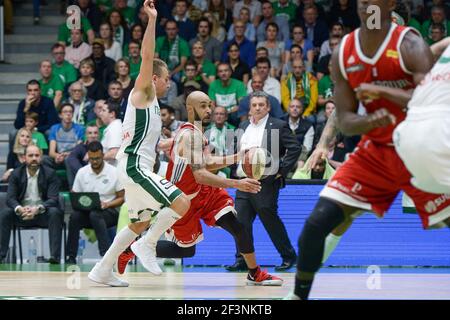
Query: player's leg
244	243
326	216
333	239
174	205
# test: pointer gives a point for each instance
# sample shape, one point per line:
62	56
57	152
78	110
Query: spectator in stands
112	136
345	12
244	105
97	121
172	49
119	26
316	29
62	68
285	9
271	85
221	137
113	49
296	52
185	25
90	11
104	66
227	92
115	93
438	15
191	75
35	102
246	47
122	69
437	32
212	46
321	171
326	91
218	9
299	38
77	50
170	125
301	128
240	70
86	32
301	85
260	53
51	85
17	156
337	29
255	10
127	12
38	138
275	49
217	30
32	200
137	34
322	66
95	89
179	103
269	16
205	68
250	30
79	157
98	177
84	107
135	59
308	3
63	138
265	203
329	108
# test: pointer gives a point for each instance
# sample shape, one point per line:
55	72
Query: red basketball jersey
385	68
179	171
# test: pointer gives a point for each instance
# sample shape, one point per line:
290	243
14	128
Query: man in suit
274	135
33	201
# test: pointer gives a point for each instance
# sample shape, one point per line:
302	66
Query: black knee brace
230	223
326	216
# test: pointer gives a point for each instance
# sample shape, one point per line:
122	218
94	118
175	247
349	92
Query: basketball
254	163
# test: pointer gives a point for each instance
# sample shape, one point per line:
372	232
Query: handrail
2	33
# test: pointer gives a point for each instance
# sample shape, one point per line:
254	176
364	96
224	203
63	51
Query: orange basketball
254	163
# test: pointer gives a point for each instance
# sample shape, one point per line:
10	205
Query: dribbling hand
249	185
149	8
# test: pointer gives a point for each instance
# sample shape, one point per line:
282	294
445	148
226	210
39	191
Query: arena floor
193	283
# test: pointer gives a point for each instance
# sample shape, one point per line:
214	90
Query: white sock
331	243
164	220
121	241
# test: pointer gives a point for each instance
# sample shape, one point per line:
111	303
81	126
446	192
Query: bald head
198	105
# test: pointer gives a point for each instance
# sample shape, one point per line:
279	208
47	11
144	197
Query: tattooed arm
191	144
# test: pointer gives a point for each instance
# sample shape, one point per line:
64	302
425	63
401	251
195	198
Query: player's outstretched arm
329	132
438	48
191	148
144	90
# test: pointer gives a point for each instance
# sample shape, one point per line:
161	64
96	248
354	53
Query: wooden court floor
216	284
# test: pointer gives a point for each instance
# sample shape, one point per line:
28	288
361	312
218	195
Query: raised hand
149	8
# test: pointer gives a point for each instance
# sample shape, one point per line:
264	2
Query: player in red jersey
189	169
378	66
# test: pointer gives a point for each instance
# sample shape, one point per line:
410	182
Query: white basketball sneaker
147	254
106	277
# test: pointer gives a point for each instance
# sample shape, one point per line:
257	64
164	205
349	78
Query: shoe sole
123	284
266	283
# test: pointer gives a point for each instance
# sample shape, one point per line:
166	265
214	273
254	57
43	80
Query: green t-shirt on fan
49	89
39	140
227	96
66	72
134	69
64	32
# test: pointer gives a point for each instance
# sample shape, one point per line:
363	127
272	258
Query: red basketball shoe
262	278
123	260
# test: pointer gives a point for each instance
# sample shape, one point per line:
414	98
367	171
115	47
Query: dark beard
198	119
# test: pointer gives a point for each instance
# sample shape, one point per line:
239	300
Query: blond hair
18	148
158	66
